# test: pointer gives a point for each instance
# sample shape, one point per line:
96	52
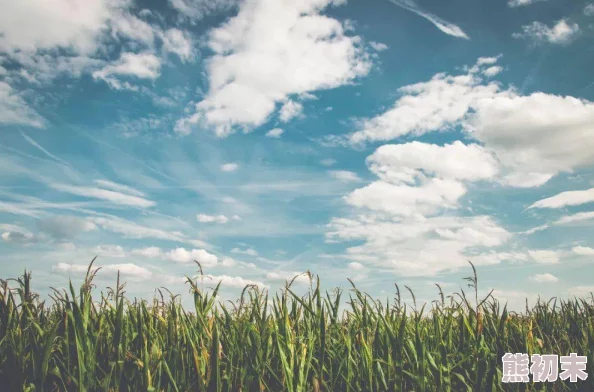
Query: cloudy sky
380	140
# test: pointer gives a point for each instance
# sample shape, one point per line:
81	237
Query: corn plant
295	344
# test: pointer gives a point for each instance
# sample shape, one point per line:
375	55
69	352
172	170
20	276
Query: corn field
298	343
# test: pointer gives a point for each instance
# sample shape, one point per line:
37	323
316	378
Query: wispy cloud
564	199
105	194
538	33
441	24
521	3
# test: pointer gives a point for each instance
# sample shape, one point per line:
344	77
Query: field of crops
300	343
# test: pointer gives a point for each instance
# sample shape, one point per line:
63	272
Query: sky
382	141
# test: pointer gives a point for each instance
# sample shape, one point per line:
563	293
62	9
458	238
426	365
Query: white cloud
280	276
272	50
39	68
539	33
104	194
530	148
581	291
356	266
419	246
378	46
66	246
181	255
493	71
290	110
229	167
150	252
564	199
203	218
131	27
127	270
328	162
198	9
18	237
544	256
275	133
63	227
344	175
42	25
134	230
399	223
119	187
14	109
520	3
137	65
544	278
535	229
583	250
589	9
228	262
419	178
248	251
443	25
234	281
178	42
409	162
575	218
109	251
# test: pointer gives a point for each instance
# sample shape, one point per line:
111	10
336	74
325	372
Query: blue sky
382	141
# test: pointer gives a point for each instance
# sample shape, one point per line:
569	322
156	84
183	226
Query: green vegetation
300	343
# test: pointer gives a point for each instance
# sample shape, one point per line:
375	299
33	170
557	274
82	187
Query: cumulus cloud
109	251
531	148
40	25
268	52
539	33
290	110
275	133
181	255
229	167
282	276
178	42
399	222
356	266
583	250
564	199
493	71
130	65
150	252
234	281
589	9
378	46
419	246
544	278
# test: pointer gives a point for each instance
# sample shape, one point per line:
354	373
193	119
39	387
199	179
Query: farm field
81	342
